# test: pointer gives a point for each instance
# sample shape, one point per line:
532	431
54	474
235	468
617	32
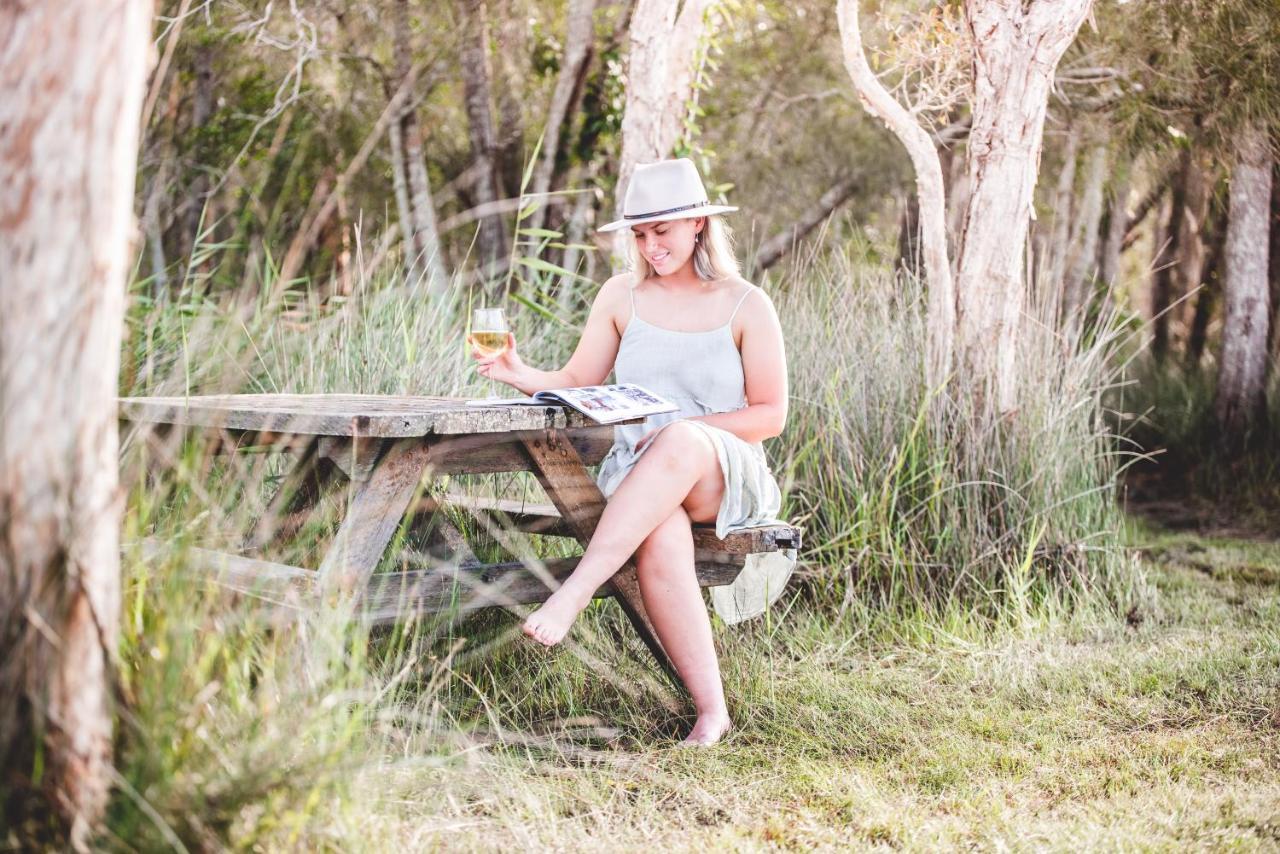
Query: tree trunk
659	81
153	234
909	260
1273	267
201	111
576	235
579	35
1081	269
1164	282
1242	368
1210	292
929	190
1016	48
491	242
957	196
1117	222
424	248
1053	257
74	76
511	33
400	188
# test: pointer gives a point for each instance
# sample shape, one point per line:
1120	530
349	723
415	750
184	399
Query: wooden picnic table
385	450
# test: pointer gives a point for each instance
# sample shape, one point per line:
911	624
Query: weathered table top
366	415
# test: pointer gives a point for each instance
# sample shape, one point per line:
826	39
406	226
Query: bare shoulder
613	300
756	314
755	304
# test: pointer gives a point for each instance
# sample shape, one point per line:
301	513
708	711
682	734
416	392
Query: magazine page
609	403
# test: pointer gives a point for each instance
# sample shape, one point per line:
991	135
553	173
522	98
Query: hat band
667	211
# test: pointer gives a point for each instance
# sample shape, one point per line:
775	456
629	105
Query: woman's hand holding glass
505	366
494	347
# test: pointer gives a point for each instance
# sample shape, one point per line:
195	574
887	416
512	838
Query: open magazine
602	403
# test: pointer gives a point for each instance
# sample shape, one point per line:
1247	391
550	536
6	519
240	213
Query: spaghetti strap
632	289
750	291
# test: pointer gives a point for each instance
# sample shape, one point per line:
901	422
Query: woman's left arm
764	370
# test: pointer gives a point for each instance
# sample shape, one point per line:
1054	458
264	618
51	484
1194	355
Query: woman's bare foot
708	730
549	624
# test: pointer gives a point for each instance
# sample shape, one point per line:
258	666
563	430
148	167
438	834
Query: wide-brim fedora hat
666	190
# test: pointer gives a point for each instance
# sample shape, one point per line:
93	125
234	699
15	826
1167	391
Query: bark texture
491	243
511	32
1117	222
1053	255
1016	49
579	36
73	76
929	190
422	246
1082	257
660	69
1210	291
1165	281
1242	367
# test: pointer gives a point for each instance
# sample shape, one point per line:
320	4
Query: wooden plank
373	515
383	416
540	518
298	494
399	595
564	478
482	454
394	596
289	584
354	457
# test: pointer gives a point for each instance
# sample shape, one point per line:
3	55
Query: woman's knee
681	445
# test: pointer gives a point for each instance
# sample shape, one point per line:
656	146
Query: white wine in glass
489	331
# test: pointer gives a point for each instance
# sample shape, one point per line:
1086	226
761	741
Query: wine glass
488	331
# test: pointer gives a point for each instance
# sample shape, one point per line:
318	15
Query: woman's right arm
591	361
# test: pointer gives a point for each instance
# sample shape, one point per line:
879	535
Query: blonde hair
713	258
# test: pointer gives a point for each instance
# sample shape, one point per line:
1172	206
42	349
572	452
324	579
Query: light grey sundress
701	372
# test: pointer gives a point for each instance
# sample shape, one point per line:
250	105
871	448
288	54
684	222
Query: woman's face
668	246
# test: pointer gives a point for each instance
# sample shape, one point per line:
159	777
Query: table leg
373	515
299	492
564	476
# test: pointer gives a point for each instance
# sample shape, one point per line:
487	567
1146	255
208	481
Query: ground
1159	732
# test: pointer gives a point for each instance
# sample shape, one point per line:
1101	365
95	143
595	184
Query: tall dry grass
921	521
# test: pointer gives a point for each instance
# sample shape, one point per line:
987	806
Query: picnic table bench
384	450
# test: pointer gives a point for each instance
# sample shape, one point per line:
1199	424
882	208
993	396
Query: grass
971	655
1188	476
1156	733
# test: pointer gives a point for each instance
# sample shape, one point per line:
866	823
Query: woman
685	325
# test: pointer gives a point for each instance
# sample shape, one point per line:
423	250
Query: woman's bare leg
669	585
682	461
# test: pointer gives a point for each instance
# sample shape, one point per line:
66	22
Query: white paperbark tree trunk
423	246
579	34
1242	367
1016	49
1053	255
1117	223
660	70
1083	254
400	188
74	73
929	189
491	243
